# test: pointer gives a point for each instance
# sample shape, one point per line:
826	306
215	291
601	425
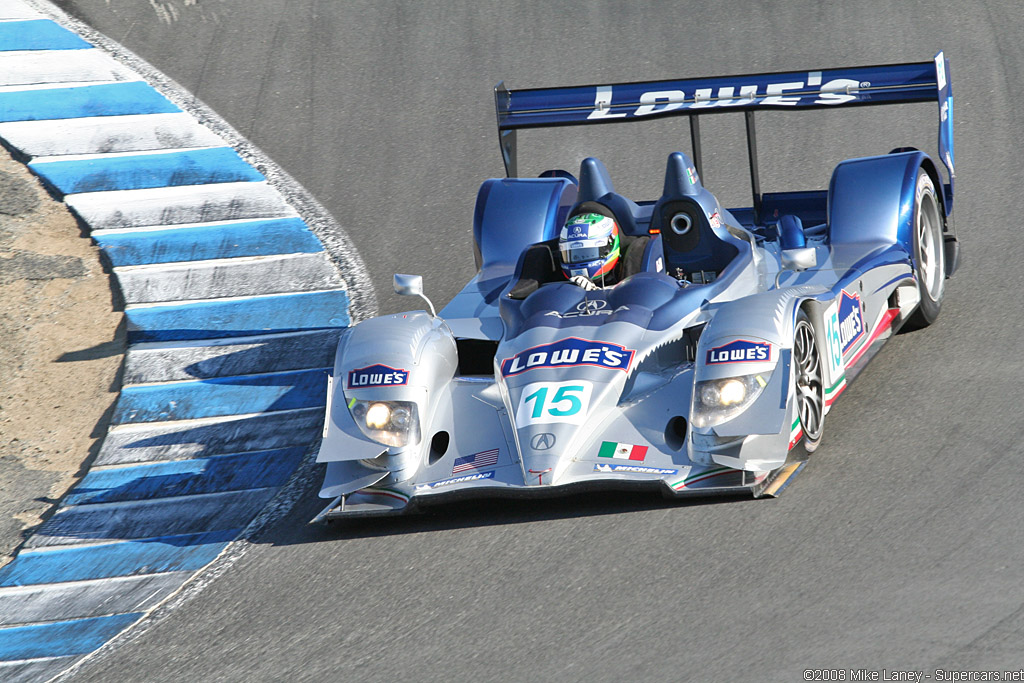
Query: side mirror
412	285
799	259
408	285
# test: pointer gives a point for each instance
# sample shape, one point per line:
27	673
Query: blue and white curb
236	285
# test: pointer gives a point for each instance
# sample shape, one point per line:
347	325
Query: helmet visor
582	252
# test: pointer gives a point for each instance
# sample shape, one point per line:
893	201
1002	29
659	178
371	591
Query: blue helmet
589	245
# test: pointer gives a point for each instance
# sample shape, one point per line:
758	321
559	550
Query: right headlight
718	400
392	423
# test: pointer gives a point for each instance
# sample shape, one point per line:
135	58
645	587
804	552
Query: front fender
402	357
753	336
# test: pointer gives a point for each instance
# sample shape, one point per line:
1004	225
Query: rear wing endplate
627	102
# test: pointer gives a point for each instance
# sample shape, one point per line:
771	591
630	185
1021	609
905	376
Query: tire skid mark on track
229	338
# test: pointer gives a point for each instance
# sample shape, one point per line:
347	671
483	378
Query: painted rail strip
178	205
155	441
31	68
109	99
107	134
210	241
241	317
233	309
221	396
141	170
36	34
234	277
170	361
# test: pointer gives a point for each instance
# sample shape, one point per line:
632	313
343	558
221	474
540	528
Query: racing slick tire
808	382
929	253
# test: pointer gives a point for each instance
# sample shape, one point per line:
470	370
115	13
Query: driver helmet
589	246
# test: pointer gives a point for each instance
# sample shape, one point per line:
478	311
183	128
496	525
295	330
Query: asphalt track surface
899	547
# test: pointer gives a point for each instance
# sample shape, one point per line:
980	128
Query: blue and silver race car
709	368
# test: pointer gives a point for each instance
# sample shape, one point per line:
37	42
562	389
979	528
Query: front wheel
808	382
929	253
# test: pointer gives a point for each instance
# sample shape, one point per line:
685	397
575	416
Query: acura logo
588	307
543	441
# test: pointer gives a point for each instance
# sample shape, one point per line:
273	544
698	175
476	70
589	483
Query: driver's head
589	246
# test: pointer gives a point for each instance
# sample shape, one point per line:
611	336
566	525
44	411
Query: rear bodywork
526	385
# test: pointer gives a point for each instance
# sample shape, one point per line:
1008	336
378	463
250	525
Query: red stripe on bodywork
884	324
378	492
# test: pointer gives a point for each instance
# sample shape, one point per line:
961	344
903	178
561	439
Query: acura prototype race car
708	368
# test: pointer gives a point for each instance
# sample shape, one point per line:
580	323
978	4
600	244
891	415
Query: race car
709	368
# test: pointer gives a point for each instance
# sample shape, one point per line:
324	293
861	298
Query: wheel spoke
809	393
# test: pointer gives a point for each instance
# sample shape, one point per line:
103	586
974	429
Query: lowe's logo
377	376
792	93
740	351
851	320
567	353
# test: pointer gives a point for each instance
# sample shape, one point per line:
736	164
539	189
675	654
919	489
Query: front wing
672	482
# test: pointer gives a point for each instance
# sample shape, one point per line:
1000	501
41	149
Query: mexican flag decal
622	451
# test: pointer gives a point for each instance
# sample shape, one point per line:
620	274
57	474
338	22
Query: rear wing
628	102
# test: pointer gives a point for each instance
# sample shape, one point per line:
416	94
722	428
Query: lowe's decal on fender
740	351
569	352
851	320
457	480
377	376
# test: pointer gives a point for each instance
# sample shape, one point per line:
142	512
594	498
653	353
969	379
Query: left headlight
392	423
718	400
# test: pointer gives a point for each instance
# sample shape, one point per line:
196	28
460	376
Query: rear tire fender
928	252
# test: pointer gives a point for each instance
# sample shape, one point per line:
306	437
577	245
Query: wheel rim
931	268
809	387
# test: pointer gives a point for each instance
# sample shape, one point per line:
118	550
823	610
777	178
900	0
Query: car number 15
548	402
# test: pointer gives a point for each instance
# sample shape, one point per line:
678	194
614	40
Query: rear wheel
929	253
808	381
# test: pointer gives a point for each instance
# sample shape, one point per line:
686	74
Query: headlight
392	423
718	400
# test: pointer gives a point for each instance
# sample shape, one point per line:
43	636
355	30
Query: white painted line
51	86
219	456
178	205
36	67
192	381
220	278
106	156
178	266
249	342
16	10
23	605
178	425
188	302
180	226
75	525
136	132
37	669
55	86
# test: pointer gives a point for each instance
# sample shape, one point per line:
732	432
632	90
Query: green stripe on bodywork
835	386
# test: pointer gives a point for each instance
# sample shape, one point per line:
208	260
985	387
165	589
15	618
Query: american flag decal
476	461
